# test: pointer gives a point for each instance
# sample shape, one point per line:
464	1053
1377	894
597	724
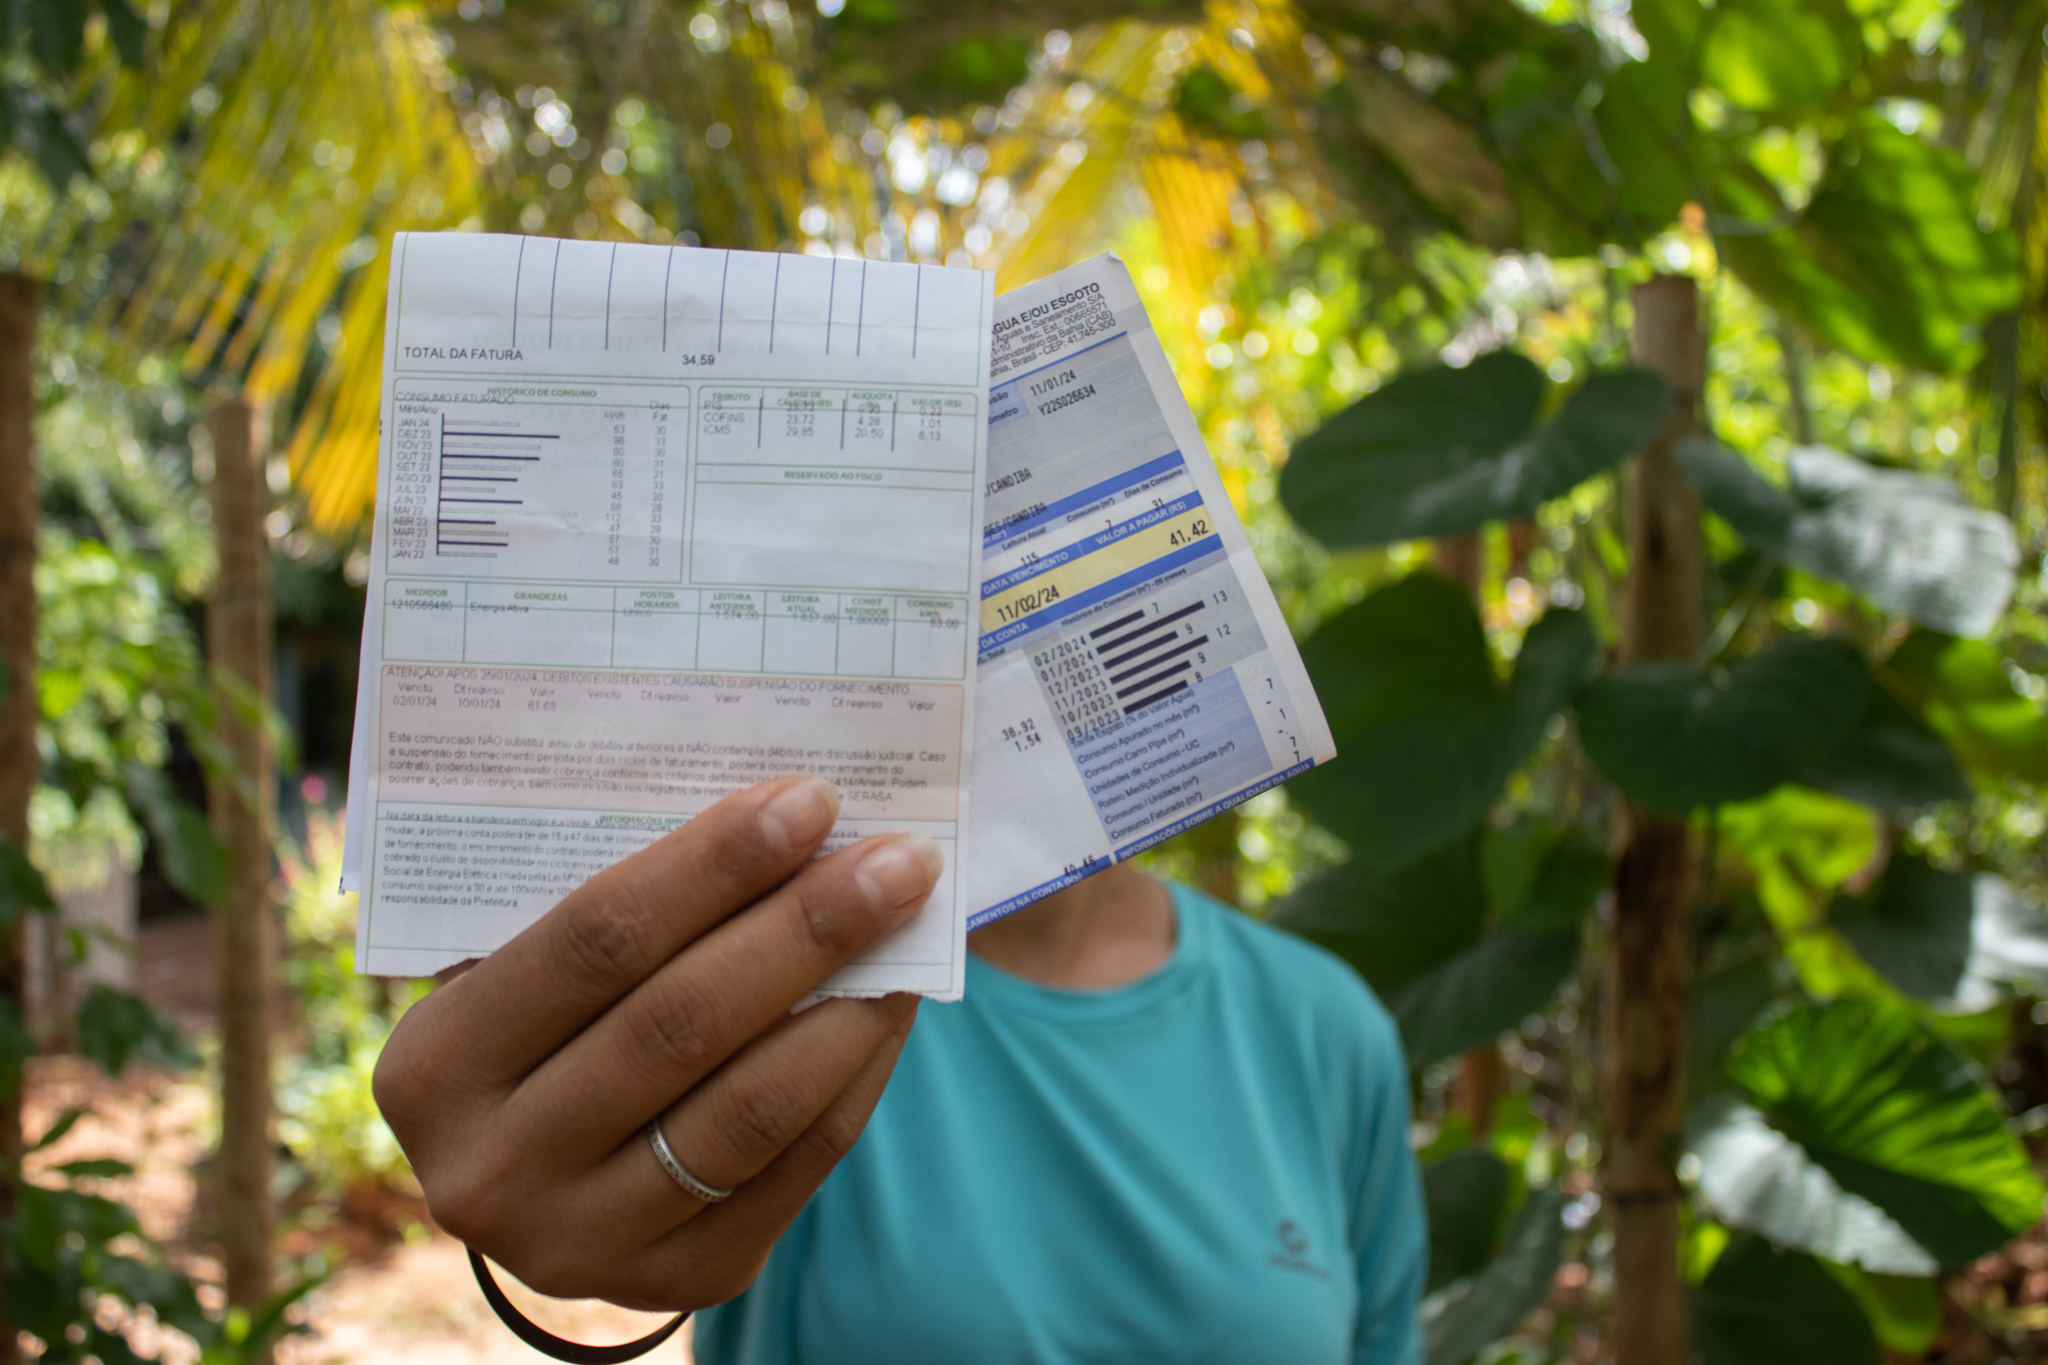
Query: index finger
525	1000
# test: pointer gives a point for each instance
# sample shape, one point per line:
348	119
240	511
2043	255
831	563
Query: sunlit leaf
1896	1116
1676	740
1888	261
1753	1176
1904	1310
1440	451
1787	56
1962	689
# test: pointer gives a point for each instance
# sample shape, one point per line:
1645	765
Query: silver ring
680	1173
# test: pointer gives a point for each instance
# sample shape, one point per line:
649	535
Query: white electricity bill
1136	676
652	525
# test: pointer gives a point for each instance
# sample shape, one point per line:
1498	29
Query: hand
662	986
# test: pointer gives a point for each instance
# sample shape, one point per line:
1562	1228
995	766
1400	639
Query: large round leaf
1754	1177
1392	927
1890	761
1440	451
1490	987
1912	545
1913	926
1763	1306
1427	737
1464	1318
1676	740
1417	936
1896	1116
1466	1195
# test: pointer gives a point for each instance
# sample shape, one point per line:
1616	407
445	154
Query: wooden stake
1645	982
238	645
20	303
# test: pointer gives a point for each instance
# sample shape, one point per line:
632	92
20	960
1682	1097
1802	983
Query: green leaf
1466	1194
193	859
55	1133
21	886
105	1168
1572	876
60	155
1763	1306
1754	1177
1675	740
1721	1006
128	30
1904	1310
1887	262
1482	992
1760	511
1428	737
1891	761
115	1028
1962	690
16	1047
1783	56
1391	926
1465	1317
56	35
1440	451
1910	544
1895	1115
1913	926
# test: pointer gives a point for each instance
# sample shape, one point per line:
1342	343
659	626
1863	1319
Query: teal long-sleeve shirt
1208	1165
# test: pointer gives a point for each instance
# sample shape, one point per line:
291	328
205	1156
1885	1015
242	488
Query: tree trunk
238	643
20	303
1654	886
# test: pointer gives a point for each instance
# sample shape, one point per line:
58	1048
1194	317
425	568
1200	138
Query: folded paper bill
1136	676
655	524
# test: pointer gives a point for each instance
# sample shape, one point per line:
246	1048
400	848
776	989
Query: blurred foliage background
1320	202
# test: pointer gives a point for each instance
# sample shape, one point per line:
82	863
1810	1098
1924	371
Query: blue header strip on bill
1002	533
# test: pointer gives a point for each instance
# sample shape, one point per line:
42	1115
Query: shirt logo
1293	1252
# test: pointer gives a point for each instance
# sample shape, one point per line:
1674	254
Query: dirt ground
392	1301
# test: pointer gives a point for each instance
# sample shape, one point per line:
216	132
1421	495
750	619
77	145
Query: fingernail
900	871
799	815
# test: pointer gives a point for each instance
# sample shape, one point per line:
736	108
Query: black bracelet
548	1344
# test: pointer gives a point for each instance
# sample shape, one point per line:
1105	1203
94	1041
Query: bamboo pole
1656	879
20	303
238	642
